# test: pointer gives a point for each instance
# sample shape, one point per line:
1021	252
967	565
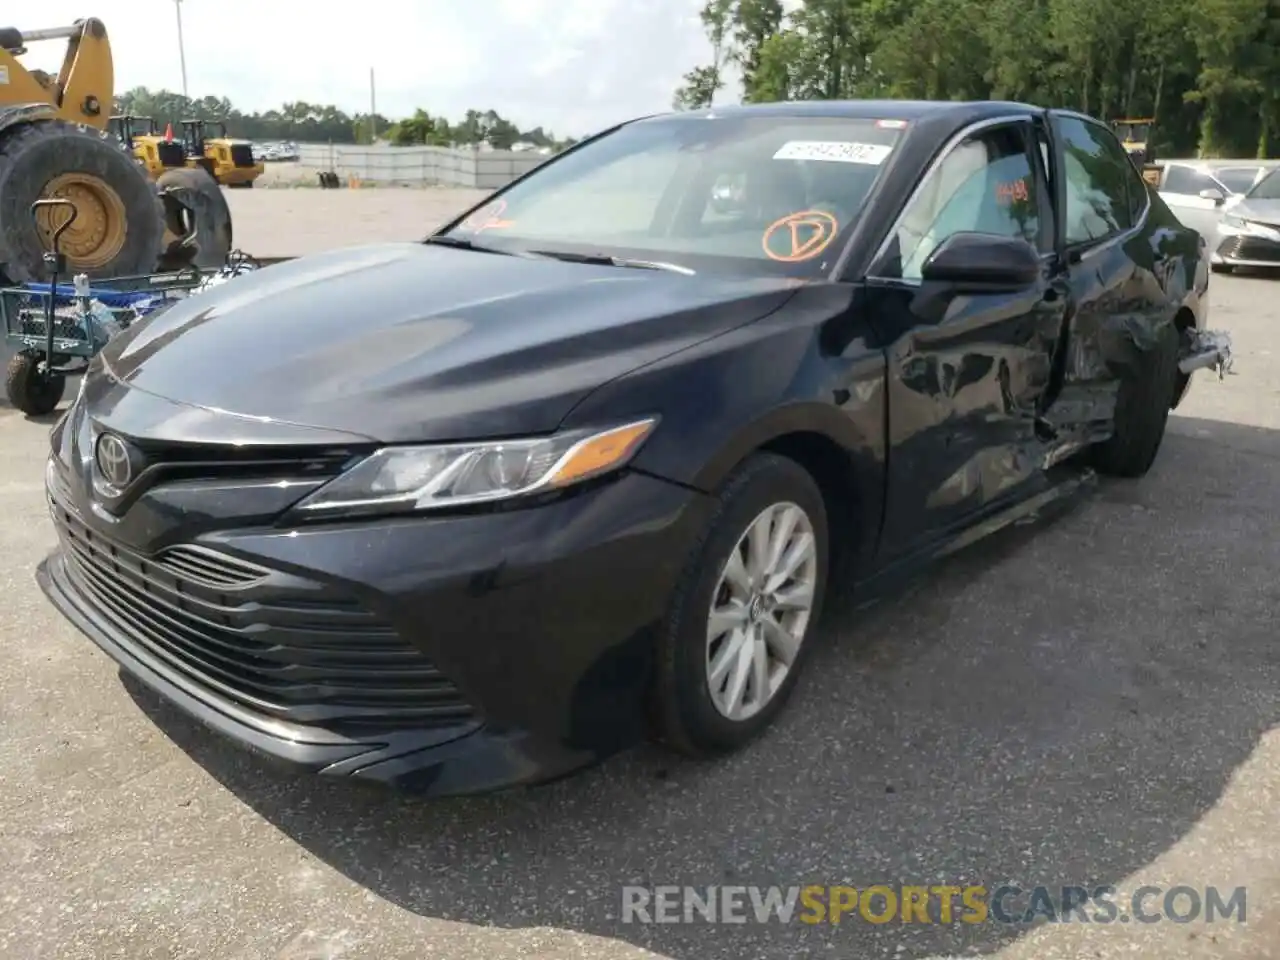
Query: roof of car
867	109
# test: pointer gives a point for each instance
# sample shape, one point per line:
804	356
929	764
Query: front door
966	373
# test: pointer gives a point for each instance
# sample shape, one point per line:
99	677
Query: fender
823	408
851	432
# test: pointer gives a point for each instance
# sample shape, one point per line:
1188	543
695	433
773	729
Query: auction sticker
834	151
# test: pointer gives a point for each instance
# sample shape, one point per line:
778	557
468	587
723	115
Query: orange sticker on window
1013	192
487	218
799	236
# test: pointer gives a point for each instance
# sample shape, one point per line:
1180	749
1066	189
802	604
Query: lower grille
287	648
1250	248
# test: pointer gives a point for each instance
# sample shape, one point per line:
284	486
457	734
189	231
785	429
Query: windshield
1268	188
756	195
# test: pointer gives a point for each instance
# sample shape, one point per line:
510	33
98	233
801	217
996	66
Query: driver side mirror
1214	194
983	262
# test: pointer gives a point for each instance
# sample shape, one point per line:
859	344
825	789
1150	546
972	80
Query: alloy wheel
760	610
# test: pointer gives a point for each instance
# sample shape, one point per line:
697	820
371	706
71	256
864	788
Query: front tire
737	632
1142	410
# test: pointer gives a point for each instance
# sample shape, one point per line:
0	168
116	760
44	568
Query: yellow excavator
54	144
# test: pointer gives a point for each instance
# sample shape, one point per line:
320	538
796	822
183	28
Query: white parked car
1198	192
1248	230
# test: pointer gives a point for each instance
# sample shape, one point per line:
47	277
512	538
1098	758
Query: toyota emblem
114	462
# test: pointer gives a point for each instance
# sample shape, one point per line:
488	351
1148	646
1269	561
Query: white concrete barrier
475	169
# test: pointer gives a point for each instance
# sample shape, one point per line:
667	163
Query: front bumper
1255	245
460	654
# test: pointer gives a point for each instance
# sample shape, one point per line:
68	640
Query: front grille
286	648
1250	248
171	153
242	154
189	461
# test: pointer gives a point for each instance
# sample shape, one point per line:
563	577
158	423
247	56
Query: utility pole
182	50
373	109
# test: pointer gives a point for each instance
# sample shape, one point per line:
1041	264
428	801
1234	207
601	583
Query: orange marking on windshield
487	218
799	236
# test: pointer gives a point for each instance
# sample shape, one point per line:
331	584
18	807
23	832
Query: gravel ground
1090	701
292	222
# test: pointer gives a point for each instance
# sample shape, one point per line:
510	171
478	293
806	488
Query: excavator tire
119	225
193	189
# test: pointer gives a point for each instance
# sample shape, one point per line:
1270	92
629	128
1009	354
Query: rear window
737	194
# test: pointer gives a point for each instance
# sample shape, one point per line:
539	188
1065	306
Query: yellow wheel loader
141	137
230	162
55	144
1135	136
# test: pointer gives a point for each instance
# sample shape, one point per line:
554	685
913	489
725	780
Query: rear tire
33	155
1142	410
196	190
1222	268
29	388
691	717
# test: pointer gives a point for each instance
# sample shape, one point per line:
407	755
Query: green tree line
319	123
1207	71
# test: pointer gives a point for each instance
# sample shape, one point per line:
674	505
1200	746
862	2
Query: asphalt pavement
1091	701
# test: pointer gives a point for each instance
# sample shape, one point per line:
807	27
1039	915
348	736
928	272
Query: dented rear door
1126	277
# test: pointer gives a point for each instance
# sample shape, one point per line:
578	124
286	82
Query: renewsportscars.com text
937	904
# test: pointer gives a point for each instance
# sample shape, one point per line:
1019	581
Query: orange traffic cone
168	133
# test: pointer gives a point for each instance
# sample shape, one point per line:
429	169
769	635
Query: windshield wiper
460	244
604	260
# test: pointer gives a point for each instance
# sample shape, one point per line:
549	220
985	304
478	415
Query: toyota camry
580	467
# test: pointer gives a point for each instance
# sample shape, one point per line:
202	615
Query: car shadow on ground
1057	705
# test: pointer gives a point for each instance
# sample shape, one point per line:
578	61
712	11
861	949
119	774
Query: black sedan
580	468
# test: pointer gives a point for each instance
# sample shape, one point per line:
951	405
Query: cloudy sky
571	65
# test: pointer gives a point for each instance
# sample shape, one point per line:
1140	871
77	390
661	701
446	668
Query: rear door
965	373
1117	268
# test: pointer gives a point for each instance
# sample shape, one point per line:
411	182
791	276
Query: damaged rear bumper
1205	350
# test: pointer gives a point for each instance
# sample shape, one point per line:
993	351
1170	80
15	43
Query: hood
1262	211
412	342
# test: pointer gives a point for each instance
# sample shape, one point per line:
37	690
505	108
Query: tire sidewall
200	193
763	482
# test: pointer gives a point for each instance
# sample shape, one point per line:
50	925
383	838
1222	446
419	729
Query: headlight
397	479
1236	223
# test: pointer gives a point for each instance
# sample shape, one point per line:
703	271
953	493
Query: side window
986	185
1105	192
1184	180
1237	179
